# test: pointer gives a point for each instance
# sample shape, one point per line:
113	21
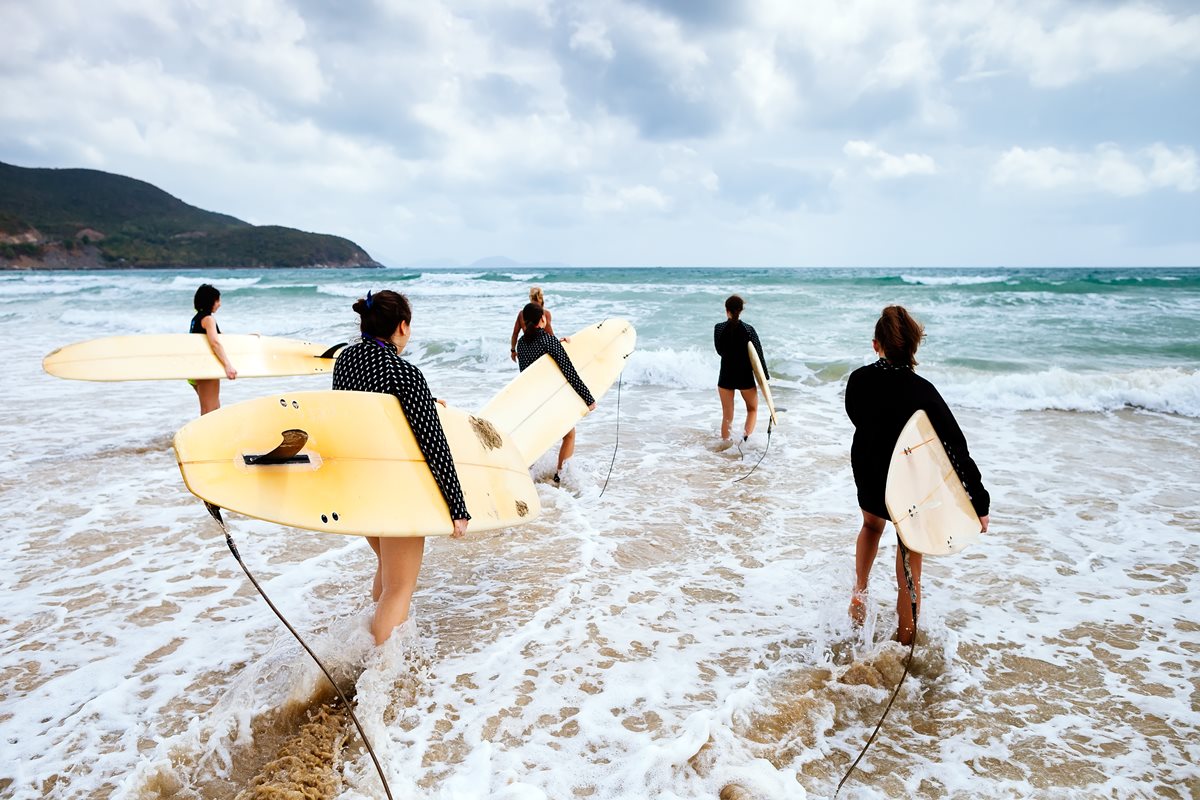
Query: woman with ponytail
206	302
373	364
880	398
730	338
535	296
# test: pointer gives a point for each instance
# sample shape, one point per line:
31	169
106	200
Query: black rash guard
730	337
534	345
372	365
880	398
197	327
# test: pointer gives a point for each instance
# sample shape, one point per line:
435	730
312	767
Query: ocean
682	635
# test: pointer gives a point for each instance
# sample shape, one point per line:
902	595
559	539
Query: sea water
663	629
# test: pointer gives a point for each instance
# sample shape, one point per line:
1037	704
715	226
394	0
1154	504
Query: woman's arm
421	411
512	348
210	330
956	447
718	329
563	360
549	327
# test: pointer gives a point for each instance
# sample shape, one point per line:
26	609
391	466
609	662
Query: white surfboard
539	407
924	495
760	377
179	356
347	462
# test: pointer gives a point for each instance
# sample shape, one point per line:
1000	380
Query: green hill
86	218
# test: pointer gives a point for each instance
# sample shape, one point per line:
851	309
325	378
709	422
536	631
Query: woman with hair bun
730	338
880	399
373	364
535	296
206	301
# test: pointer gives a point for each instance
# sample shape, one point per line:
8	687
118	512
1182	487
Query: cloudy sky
638	132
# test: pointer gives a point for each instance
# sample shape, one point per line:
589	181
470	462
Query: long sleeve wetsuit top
372	365
536	344
730	339
880	398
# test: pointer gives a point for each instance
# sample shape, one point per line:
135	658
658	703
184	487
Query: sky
964	133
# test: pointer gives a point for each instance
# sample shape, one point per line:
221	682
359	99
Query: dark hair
206	297
381	312
899	336
531	315
734	305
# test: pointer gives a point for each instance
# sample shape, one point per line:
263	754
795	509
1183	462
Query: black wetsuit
730	339
197	327
534	345
880	398
371	365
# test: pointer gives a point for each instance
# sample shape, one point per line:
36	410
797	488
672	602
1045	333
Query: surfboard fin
285	452
331	352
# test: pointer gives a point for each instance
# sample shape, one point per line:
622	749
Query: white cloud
1107	169
882	164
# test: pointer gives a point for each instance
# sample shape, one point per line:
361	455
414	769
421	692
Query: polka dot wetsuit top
534	345
374	366
730	339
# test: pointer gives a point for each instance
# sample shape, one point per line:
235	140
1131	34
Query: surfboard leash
215	511
770	427
912	596
617	440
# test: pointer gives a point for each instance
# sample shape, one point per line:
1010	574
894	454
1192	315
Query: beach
678	634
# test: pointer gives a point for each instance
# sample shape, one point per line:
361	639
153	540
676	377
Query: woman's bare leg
903	601
566	449
400	562
865	551
209	392
377	584
750	398
726	411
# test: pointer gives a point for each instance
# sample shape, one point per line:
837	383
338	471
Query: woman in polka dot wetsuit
535	343
880	399
374	365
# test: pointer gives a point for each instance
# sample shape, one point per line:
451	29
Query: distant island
88	219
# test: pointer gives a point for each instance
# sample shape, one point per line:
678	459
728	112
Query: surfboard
760	377
924	496
347	462
538	407
179	356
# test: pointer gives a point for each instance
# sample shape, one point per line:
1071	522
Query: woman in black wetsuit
730	338
206	302
535	343
373	364
880	398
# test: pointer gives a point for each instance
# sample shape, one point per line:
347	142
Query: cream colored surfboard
360	470
178	356
760	377
539	407
924	496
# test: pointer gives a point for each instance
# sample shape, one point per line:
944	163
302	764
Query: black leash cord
912	596
216	513
770	427
618	436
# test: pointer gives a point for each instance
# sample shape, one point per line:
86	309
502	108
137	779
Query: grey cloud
787	188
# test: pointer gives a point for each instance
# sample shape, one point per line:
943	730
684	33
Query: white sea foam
955	280
224	283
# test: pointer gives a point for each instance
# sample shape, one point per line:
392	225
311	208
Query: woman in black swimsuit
535	343
730	338
880	398
373	364
206	302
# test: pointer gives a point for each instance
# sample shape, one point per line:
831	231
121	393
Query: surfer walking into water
535	296
880	398
730	338
536	341
373	364
206	302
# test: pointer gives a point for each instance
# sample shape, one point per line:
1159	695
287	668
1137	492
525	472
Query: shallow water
679	635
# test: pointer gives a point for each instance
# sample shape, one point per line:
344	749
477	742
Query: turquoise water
684	631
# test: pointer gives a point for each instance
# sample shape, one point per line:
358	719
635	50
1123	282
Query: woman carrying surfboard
536	342
373	364
880	398
206	302
730	338
535	296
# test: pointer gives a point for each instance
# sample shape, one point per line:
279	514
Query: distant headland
87	219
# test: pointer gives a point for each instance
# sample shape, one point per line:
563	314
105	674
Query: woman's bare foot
858	608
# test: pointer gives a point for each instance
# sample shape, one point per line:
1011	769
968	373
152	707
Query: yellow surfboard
924	495
760	377
179	356
347	462
539	407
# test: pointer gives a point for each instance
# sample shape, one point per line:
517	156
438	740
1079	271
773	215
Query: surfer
880	398
730	339
373	364
206	302
537	341
535	296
